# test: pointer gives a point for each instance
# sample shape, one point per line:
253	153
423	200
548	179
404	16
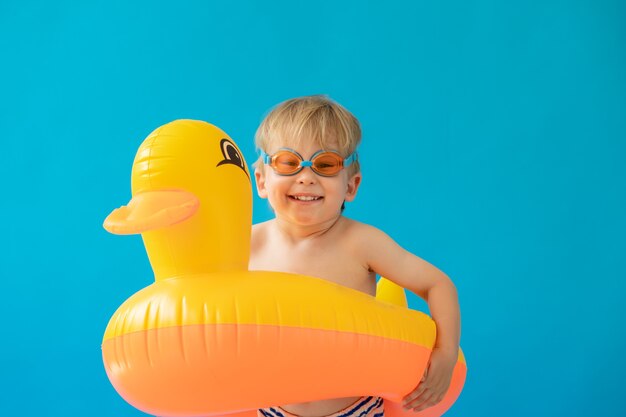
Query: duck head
191	201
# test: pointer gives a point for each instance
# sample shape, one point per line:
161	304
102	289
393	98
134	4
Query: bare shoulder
363	239
259	233
261	227
369	243
362	232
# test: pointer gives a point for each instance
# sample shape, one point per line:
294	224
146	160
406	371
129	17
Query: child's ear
353	186
260	180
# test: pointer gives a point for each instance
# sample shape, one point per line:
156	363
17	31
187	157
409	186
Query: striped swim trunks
363	407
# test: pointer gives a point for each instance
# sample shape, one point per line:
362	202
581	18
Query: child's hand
435	382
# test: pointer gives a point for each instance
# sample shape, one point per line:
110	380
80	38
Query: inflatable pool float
211	338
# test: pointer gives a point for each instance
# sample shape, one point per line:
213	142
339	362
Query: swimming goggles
325	163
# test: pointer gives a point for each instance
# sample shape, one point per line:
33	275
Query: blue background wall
494	147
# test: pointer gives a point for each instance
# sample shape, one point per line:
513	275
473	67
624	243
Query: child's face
305	198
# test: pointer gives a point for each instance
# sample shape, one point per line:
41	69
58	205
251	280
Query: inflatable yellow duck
209	337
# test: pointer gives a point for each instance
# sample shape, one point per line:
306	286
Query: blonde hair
315	118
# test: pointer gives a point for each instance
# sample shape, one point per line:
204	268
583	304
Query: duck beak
152	210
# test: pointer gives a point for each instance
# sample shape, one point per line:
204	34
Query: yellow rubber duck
209	337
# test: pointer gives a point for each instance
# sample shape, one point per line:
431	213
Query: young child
307	170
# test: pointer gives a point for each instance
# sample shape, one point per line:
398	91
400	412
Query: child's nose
306	176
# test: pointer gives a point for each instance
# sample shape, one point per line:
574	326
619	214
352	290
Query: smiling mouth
305	197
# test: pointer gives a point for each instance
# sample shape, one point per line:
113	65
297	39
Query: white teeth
305	197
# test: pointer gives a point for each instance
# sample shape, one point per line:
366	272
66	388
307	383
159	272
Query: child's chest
331	262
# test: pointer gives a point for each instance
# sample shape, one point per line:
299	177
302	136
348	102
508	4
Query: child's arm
390	260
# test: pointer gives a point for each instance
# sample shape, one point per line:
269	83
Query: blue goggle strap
265	157
349	160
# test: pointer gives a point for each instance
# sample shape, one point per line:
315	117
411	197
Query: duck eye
231	155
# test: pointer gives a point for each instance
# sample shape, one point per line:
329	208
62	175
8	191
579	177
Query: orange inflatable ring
209	337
